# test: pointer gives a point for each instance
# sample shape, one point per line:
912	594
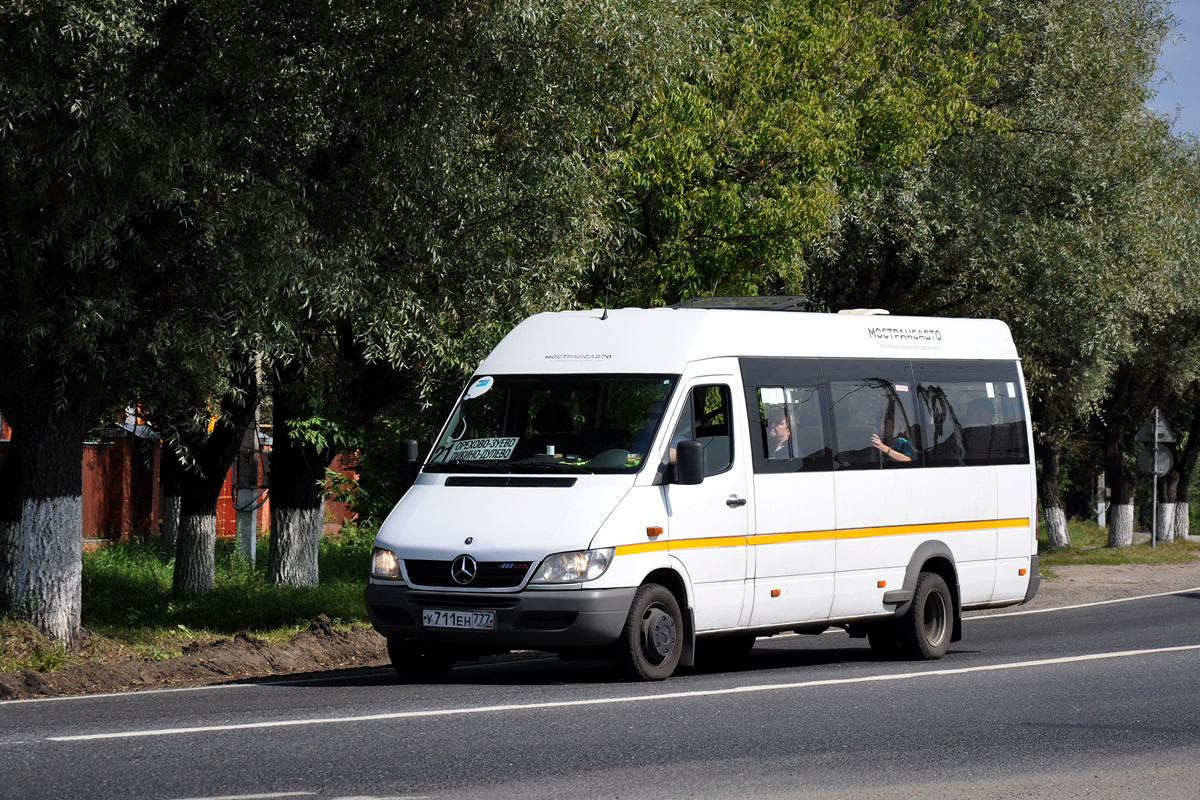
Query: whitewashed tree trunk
1120	525
1183	520
170	523
1165	522
48	578
295	541
195	554
1056	528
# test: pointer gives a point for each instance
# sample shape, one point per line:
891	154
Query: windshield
553	423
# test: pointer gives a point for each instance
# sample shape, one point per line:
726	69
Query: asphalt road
1100	701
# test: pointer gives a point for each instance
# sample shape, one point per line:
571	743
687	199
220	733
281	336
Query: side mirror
689	463
410	459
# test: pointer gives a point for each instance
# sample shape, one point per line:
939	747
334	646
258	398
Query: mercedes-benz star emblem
463	570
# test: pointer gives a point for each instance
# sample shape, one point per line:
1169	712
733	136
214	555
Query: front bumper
528	620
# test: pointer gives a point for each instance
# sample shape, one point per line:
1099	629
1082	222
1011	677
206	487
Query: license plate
461	620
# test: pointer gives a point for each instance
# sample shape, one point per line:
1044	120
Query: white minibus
663	486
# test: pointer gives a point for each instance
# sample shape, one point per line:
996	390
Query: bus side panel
883	516
800	569
1015	543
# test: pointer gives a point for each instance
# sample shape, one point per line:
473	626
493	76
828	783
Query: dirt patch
322	647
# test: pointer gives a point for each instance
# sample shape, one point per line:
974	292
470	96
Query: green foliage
728	174
1054	225
1089	546
127	593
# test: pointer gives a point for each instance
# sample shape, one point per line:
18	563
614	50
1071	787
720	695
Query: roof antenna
607	287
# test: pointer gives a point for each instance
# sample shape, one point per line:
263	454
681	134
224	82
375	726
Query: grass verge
1089	545
129	611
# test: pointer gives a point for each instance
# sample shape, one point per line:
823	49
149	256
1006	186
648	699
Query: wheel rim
934	618
658	634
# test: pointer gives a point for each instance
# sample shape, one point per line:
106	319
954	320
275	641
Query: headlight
581	565
384	564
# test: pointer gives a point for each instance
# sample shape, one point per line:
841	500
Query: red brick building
122	486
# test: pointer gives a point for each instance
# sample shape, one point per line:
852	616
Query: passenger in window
779	434
896	448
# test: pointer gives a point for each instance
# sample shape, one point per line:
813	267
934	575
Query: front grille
495	601
491	574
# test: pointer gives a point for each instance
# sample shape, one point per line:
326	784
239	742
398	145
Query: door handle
734	501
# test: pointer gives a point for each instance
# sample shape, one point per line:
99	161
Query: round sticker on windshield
480	386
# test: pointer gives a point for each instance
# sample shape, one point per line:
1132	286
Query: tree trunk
1165	522
1189	453
48	573
211	455
1183	521
195	554
295	542
195	566
1118	477
171	476
1167	491
297	489
1120	525
1048	492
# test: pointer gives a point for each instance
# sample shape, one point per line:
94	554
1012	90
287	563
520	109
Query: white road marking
445	712
254	796
138	693
302	679
1081	605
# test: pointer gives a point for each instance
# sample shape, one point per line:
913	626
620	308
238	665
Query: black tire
650	644
926	627
885	639
418	663
728	651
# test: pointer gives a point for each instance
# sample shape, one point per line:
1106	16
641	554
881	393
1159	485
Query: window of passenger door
707	417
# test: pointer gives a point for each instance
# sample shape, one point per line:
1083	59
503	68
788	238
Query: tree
405	169
1045	224
727	175
82	169
452	192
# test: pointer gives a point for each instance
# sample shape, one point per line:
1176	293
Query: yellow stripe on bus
844	533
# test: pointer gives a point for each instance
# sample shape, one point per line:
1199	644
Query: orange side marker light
881	584
774	593
654	530
1022	571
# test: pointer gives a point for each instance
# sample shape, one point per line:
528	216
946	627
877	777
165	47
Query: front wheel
418	663
924	630
651	642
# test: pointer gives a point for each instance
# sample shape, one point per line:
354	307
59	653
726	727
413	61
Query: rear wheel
651	642
925	629
419	663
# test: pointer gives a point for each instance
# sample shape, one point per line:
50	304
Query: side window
786	408
874	422
791	425
974	411
707	417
